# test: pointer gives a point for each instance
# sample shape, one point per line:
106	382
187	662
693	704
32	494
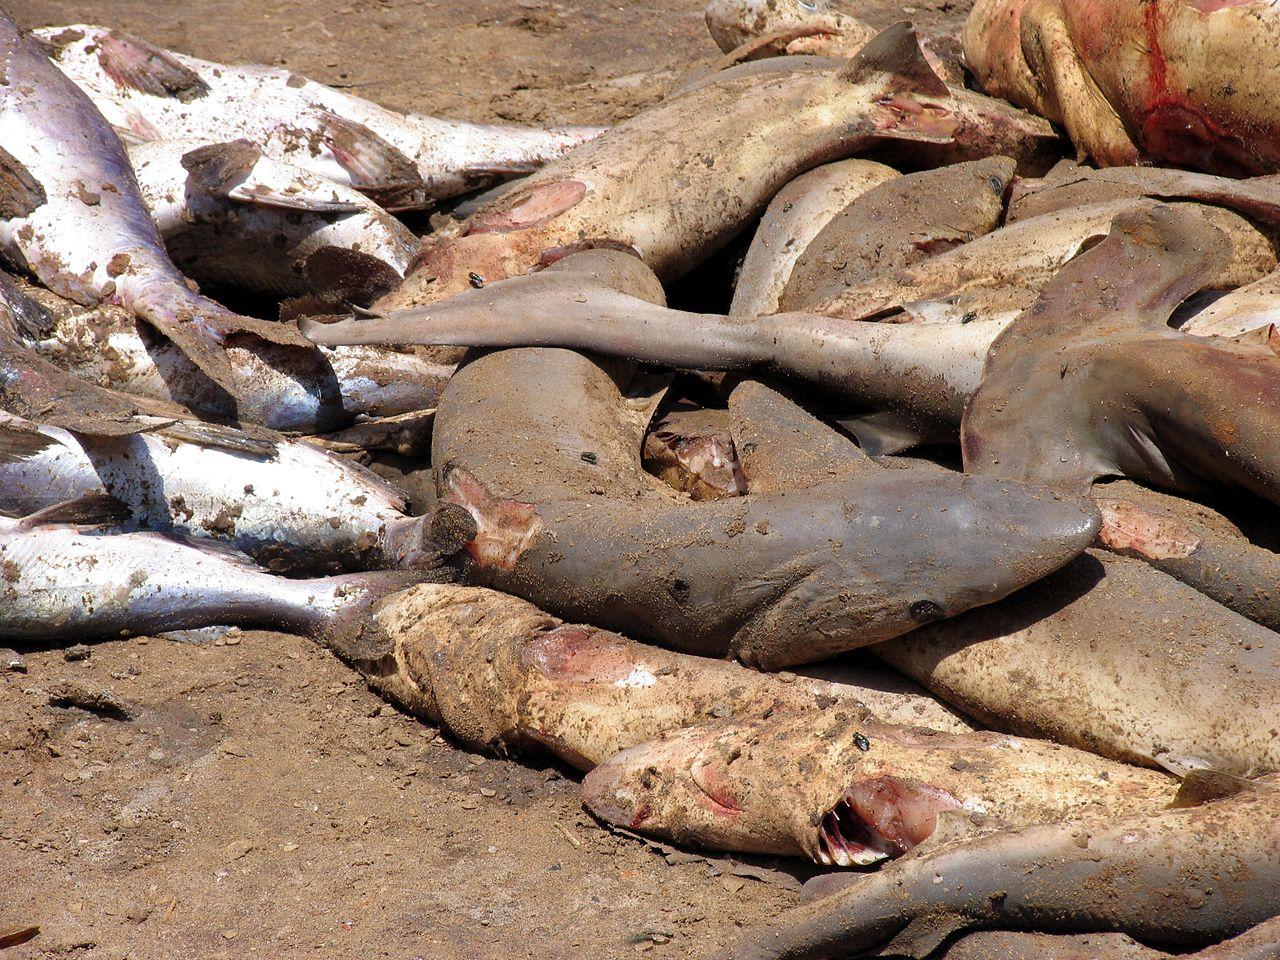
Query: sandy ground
255	799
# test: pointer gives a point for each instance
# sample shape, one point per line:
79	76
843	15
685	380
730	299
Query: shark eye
924	611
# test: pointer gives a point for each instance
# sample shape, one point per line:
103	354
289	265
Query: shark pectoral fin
925	934
97	510
376	167
231	170
21	194
134	63
783	447
19	441
893	56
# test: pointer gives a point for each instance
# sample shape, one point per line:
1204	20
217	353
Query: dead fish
794	217
747	29
504	677
234	218
693	451
74	218
1177	82
1259	943
291	390
773	578
675	200
64	578
846	791
294	508
1084	657
1071	185
1181	411
1205	552
1028	254
403	161
896	224
1222	858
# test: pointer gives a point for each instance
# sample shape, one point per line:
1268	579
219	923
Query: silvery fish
403	161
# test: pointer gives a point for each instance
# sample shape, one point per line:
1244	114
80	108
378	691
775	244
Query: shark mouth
877	819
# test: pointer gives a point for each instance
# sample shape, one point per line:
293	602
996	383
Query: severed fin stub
883	433
237	170
95	511
1205	786
925	934
376	167
783	447
339	275
132	62
894	54
21	194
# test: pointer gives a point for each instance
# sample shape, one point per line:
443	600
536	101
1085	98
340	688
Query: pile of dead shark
996	405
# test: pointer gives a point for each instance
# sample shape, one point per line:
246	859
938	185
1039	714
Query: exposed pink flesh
536	205
505	528
580	653
1127	528
720	799
880	817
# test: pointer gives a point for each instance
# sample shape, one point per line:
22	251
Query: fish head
906	548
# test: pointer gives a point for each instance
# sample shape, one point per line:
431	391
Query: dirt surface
257	800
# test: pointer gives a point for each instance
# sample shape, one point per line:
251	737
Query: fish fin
19	442
258	443
895	53
220	549
781	446
376	167
97	510
20	192
925	934
226	170
349	276
1205	786
132	62
884	432
31	321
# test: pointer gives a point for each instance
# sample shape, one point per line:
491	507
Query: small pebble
77	652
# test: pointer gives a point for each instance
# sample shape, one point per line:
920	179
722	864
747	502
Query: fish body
504	677
234	218
296	508
675	199
1181	878
75	219
846	790
65	580
1115	657
794	217
897	224
1182	82
404	161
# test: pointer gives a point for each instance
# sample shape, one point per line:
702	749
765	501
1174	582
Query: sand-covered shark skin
234	218
843	790
294	508
896	224
65	579
797	214
1185	82
679	180
503	677
1092	382
1115	657
294	391
73	216
1181	877
404	161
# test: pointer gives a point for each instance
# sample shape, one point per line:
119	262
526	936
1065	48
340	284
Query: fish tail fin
95	511
894	59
